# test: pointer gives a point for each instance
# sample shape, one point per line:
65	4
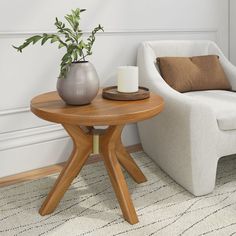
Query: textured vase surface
81	84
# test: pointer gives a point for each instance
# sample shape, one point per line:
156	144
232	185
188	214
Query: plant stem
83	57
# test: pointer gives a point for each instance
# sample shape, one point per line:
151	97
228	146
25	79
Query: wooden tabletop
49	106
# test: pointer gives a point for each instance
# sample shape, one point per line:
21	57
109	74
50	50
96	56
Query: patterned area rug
90	207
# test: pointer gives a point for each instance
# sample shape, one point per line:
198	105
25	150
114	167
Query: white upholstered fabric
223	104
185	139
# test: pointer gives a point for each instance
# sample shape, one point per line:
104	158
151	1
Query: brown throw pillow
186	74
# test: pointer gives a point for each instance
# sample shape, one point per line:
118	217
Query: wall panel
126	23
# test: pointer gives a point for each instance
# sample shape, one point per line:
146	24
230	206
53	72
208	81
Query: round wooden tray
112	94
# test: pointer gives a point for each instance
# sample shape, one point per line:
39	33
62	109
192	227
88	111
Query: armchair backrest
183	48
150	50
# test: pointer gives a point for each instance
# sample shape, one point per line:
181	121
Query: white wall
232	17
26	142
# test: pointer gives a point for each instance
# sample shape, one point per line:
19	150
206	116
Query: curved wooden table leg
108	150
82	148
129	164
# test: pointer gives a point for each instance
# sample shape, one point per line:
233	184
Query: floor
90	206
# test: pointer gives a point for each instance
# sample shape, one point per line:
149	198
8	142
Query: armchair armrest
229	68
183	138
182	113
230	71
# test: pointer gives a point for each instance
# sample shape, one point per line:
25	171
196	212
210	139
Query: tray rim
122	96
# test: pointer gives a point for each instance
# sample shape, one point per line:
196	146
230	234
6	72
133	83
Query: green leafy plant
68	36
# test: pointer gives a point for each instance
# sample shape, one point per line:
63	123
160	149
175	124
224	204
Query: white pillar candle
127	79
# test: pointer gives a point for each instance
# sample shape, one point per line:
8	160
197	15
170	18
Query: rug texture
90	207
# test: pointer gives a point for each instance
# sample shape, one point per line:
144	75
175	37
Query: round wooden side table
79	122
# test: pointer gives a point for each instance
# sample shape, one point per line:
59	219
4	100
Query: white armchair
196	128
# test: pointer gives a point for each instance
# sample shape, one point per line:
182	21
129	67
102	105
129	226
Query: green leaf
82	44
68	30
54	39
27	42
61	45
36	38
91	39
58	23
65	57
78	35
76	48
70	20
80	52
69	61
75	56
45	38
17	48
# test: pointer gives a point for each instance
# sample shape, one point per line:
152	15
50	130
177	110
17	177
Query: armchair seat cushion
223	103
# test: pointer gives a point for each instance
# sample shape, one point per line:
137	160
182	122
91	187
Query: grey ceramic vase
81	84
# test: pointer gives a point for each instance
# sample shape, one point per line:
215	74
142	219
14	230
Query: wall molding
12	111
35	135
111	32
